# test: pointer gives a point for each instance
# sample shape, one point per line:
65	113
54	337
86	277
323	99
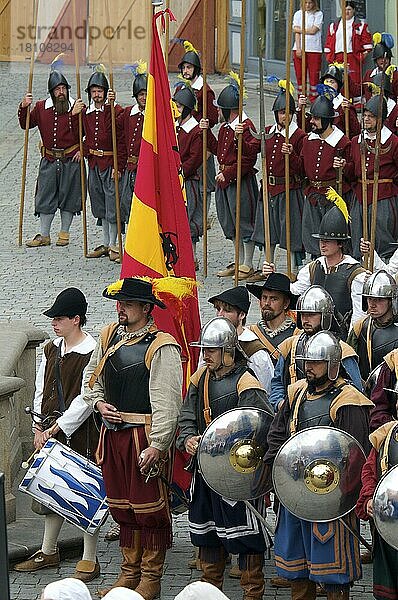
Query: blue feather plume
388	40
272	79
327	91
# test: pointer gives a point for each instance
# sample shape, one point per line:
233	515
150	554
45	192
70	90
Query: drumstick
25	463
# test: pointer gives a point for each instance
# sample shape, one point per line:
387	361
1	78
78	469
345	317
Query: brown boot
252	579
151	573
130	570
213	572
303	589
63	239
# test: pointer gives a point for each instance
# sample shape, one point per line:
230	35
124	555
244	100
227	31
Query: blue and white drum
68	484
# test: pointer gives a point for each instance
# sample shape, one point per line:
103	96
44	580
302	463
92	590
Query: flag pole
303	62
240	140
376	171
167	40
287	123
79	95
346	86
114	142
27	124
204	133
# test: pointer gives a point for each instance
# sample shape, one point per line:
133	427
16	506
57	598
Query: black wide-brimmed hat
68	303
277	282
132	288
236	296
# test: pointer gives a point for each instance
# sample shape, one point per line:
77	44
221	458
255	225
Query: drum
68	484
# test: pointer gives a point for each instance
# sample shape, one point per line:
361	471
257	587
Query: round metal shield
385	507
230	454
317	473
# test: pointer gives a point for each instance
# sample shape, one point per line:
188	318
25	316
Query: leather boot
130	570
151	573
213	572
252	578
342	594
303	589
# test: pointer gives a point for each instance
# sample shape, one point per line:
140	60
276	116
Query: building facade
268	19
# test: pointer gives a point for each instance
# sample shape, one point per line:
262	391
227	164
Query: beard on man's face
61	105
314	382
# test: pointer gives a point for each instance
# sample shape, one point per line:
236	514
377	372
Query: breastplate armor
383	340
336	284
126	377
223	395
316	413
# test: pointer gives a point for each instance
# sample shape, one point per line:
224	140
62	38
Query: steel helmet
324	346
316	300
219	332
380	285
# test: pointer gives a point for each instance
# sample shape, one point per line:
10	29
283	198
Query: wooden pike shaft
287	123
204	133
79	95
365	232
303	62
240	140
346	85
267	241
376	171
114	141
27	124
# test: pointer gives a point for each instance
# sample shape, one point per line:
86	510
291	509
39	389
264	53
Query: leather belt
132	160
322	184
282	180
136	418
371	181
58	153
100	152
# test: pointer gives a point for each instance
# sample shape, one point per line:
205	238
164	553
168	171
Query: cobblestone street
31	278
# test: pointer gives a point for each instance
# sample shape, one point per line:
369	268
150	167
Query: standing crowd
323	351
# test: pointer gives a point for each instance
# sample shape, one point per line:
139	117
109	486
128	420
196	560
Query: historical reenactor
359	42
134	380
98	150
383	81
315	312
305	551
383	456
234	304
387	202
339	273
376	335
333	77
323	160
190	145
132	120
58	183
217	526
190	68
59	388
382	55
384	395
276	305
225	148
276	182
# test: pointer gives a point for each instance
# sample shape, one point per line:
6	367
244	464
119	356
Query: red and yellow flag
158	241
